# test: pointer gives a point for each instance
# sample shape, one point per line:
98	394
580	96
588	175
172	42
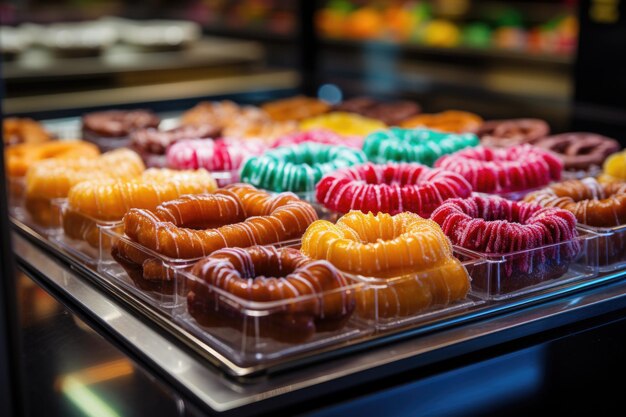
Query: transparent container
16	190
252	332
579	174
386	303
145	273
502	276
81	235
225	178
323	213
609	246
511	195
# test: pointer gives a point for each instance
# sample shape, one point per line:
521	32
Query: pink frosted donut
220	155
491	170
326	137
494	225
390	188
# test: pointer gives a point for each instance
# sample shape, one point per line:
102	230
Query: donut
107	200
20	157
303	296
348	124
23	130
409	256
326	137
414	145
500	171
111	129
580	150
295	108
615	167
264	130
194	226
505	133
218	155
220	114
390	188
153	141
594	204
390	113
452	121
495	226
53	178
297	168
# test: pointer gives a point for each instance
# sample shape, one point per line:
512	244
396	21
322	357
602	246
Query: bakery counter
484	364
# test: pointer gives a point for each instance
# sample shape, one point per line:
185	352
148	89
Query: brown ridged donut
580	150
593	203
267	274
505	133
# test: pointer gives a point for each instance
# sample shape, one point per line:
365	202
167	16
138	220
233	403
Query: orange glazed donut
295	108
593	203
452	121
110	199
195	226
412	252
17	131
20	157
268	274
53	178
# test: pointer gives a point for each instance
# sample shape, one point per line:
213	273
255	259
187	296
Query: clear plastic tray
322	212
81	235
250	332
579	174
507	275
373	309
511	195
160	287
225	178
608	247
16	190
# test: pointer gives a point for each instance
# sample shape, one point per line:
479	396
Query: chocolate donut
155	141
391	113
111	129
580	150
505	133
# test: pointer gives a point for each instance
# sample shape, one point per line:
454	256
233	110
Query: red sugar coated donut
494	225
219	155
326	137
390	188
517	168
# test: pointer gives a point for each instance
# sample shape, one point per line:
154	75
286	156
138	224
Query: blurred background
496	58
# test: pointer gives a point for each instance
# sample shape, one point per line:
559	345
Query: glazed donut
493	225
579	150
326	137
267	274
391	188
20	157
295	108
506	133
236	216
218	155
414	145
411	250
90	202
593	203
111	129
615	167
452	121
298	168
23	130
53	178
348	124
221	114
154	141
265	131
501	171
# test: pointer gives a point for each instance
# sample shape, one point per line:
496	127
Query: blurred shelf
461	52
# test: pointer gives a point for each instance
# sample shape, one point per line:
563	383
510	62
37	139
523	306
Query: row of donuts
351	120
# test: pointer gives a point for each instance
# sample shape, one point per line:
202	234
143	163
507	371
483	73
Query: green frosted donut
298	168
414	145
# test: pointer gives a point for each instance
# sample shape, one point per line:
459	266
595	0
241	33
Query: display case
93	336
